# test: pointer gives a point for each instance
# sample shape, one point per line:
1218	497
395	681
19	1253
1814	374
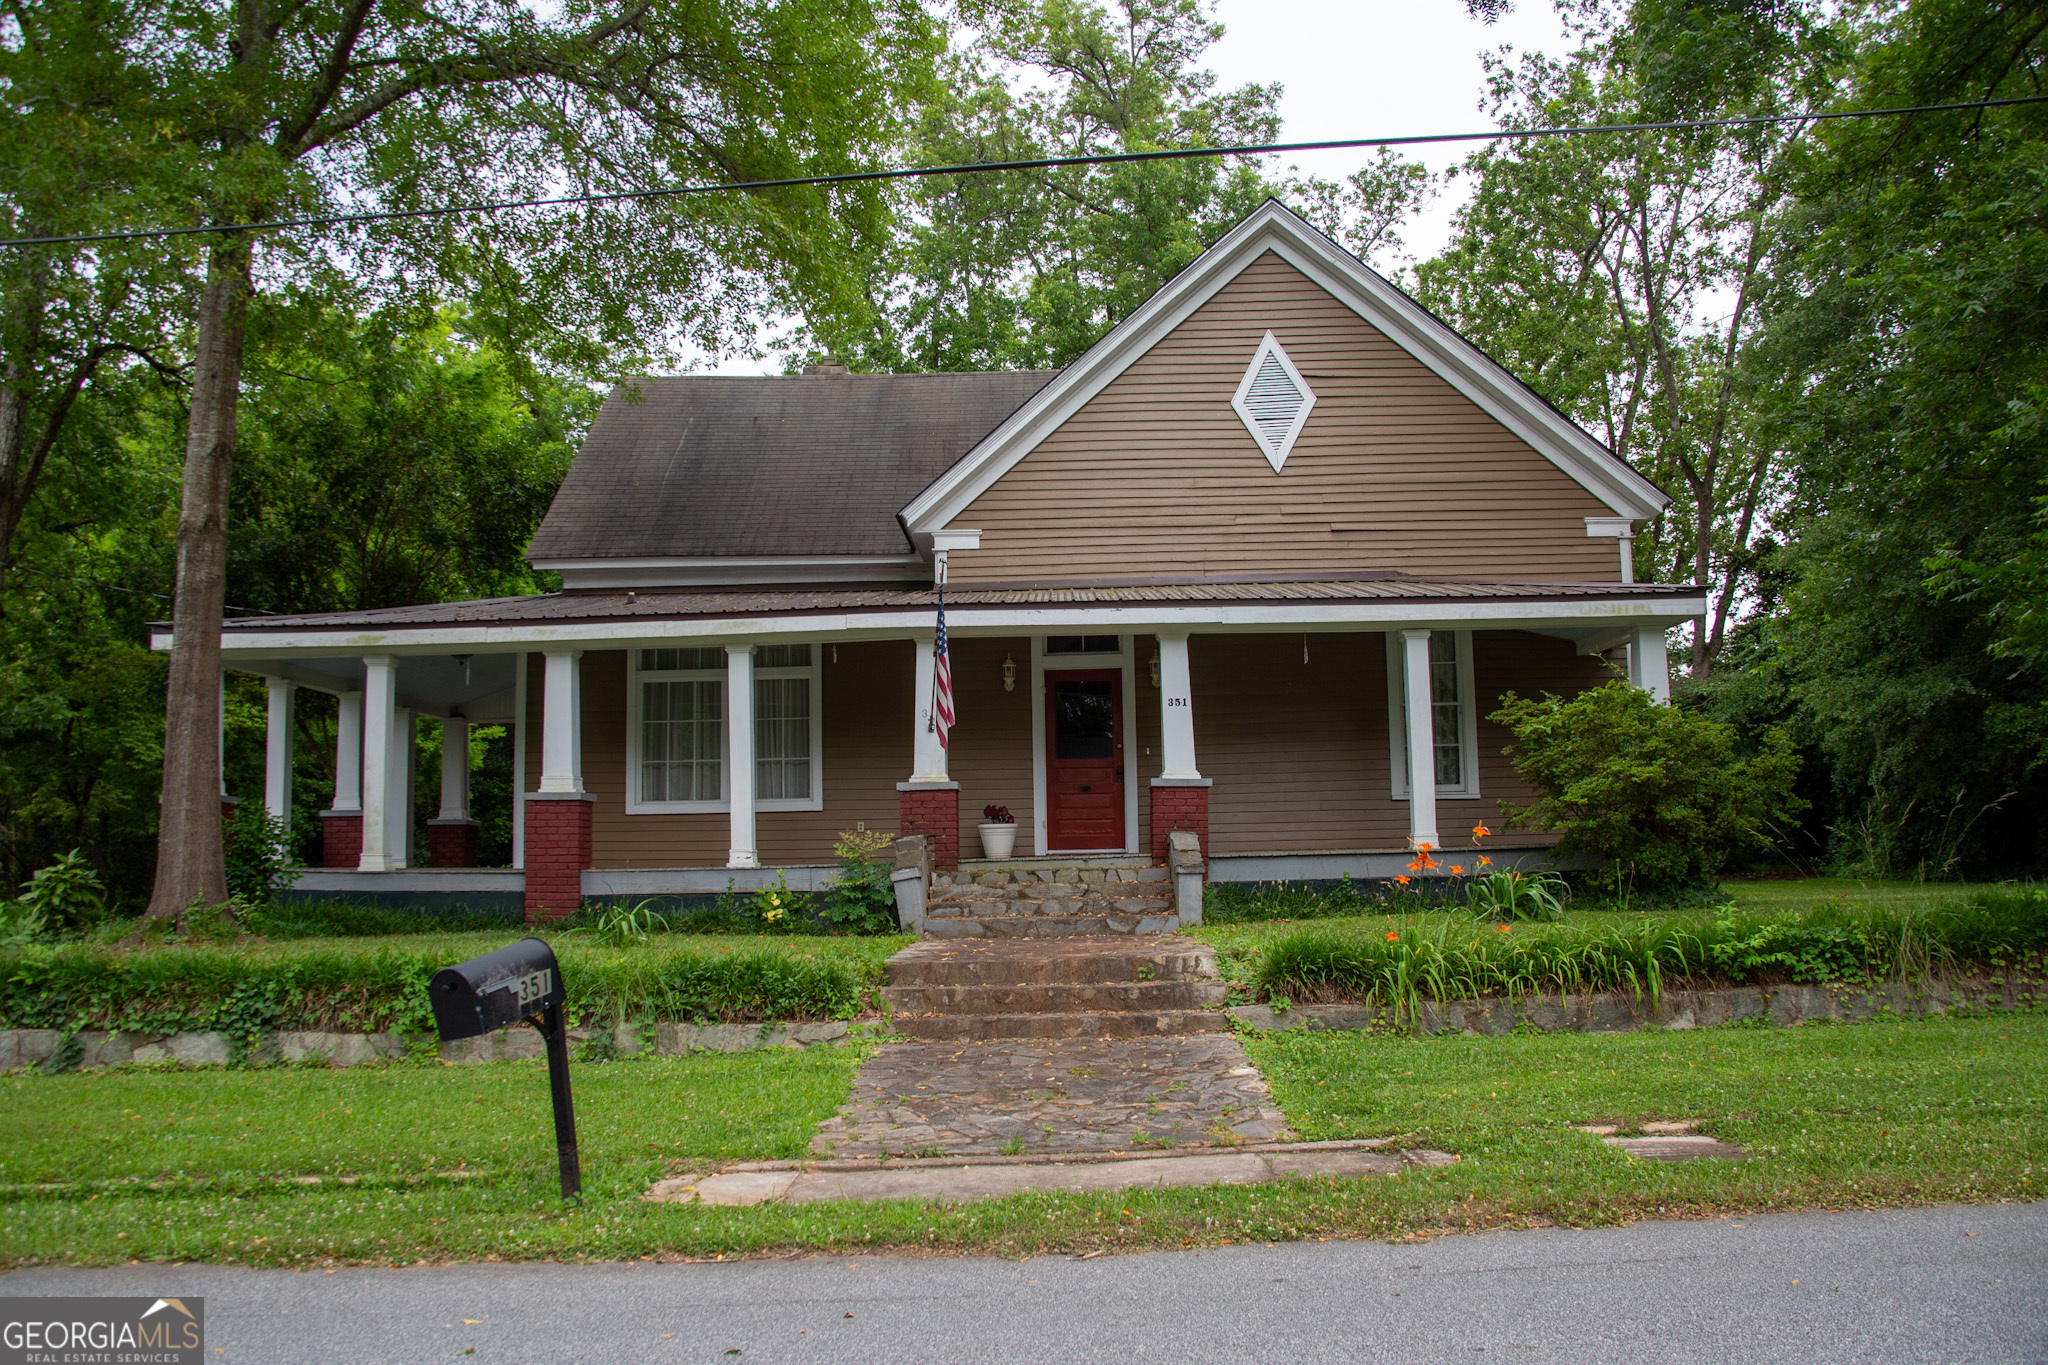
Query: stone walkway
1031	1097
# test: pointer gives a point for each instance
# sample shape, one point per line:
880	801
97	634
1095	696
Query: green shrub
343	919
862	899
353	989
1395	962
1657	795
258	852
65	897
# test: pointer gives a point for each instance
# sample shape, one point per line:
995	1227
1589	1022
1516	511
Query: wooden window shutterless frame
675	730
1454	711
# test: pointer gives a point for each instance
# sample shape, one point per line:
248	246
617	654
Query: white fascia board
956	540
1276	228
1197	617
1621	528
667	573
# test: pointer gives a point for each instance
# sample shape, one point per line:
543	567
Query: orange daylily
1402	880
1480	831
1502	927
1456	870
1392	936
1485	861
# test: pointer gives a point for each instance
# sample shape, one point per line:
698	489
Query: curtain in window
682	740
782	739
1446	709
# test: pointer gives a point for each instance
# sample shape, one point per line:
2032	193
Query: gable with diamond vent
1279	409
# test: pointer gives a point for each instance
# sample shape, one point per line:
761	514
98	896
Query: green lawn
205	1165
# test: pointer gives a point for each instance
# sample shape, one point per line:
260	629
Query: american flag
942	681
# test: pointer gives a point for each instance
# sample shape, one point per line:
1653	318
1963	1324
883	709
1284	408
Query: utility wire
1036	163
116	587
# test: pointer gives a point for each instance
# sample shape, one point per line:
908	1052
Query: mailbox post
520	983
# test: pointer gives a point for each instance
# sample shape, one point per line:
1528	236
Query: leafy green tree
262	108
1027	269
1913	349
1624	276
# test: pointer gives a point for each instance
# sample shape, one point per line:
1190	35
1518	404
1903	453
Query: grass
203	1165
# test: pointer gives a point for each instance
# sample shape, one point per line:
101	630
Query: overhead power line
1033	164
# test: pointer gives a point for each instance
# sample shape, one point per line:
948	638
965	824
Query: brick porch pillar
933	810
453	843
341	838
1179	805
557	852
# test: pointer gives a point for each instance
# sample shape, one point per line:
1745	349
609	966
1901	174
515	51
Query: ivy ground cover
455	1163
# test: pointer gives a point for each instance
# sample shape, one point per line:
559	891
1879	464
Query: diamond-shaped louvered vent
1273	400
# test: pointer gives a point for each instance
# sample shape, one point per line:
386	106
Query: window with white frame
1453	712
676	736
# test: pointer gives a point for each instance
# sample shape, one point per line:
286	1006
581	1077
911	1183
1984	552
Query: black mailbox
520	983
496	990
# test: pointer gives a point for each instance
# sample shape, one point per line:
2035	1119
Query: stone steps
974	1028
1043	900
1093	986
1055	999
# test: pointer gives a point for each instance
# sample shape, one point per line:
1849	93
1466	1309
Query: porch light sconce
1009	672
1155	666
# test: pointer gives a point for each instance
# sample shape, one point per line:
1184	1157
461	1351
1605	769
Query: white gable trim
1273	227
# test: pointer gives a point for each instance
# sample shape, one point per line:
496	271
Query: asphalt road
1948	1285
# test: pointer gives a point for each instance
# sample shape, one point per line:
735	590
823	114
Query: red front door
1084	761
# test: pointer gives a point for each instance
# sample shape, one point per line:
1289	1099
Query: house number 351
1176	701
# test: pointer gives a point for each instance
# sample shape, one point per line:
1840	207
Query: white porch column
1648	666
739	754
1176	710
455	769
398	802
277	753
927	755
561	729
380	694
348	753
1421	739
519	761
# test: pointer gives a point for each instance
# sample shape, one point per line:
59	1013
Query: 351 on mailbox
519	983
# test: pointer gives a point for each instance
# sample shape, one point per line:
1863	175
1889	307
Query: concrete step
1039	892
1069	961
1048	925
1120	996
970	1028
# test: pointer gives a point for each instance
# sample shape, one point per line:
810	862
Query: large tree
1624	275
281	108
1027	269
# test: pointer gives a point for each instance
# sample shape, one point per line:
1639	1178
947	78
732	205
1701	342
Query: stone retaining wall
21	1048
1679	1009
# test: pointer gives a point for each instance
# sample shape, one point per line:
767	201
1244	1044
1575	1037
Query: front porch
692	755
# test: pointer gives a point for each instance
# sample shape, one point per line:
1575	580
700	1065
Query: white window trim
1468	721
635	675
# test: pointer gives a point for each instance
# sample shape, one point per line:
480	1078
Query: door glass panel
1084	719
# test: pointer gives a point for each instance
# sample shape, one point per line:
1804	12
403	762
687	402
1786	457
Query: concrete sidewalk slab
993	1178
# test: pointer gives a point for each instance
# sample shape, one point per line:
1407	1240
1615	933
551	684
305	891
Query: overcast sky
1360	70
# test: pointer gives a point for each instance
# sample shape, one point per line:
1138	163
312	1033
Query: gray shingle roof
687	604
804	465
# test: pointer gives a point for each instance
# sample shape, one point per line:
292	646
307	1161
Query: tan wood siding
990	755
1299	753
1395	469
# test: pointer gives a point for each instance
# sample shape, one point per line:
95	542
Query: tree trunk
190	869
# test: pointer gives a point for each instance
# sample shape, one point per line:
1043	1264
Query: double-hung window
677	746
1453	713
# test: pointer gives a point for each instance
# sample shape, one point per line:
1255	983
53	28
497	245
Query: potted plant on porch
998	832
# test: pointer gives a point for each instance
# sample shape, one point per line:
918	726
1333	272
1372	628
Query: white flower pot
998	841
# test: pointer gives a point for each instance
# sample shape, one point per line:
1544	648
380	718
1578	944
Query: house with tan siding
1255	568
